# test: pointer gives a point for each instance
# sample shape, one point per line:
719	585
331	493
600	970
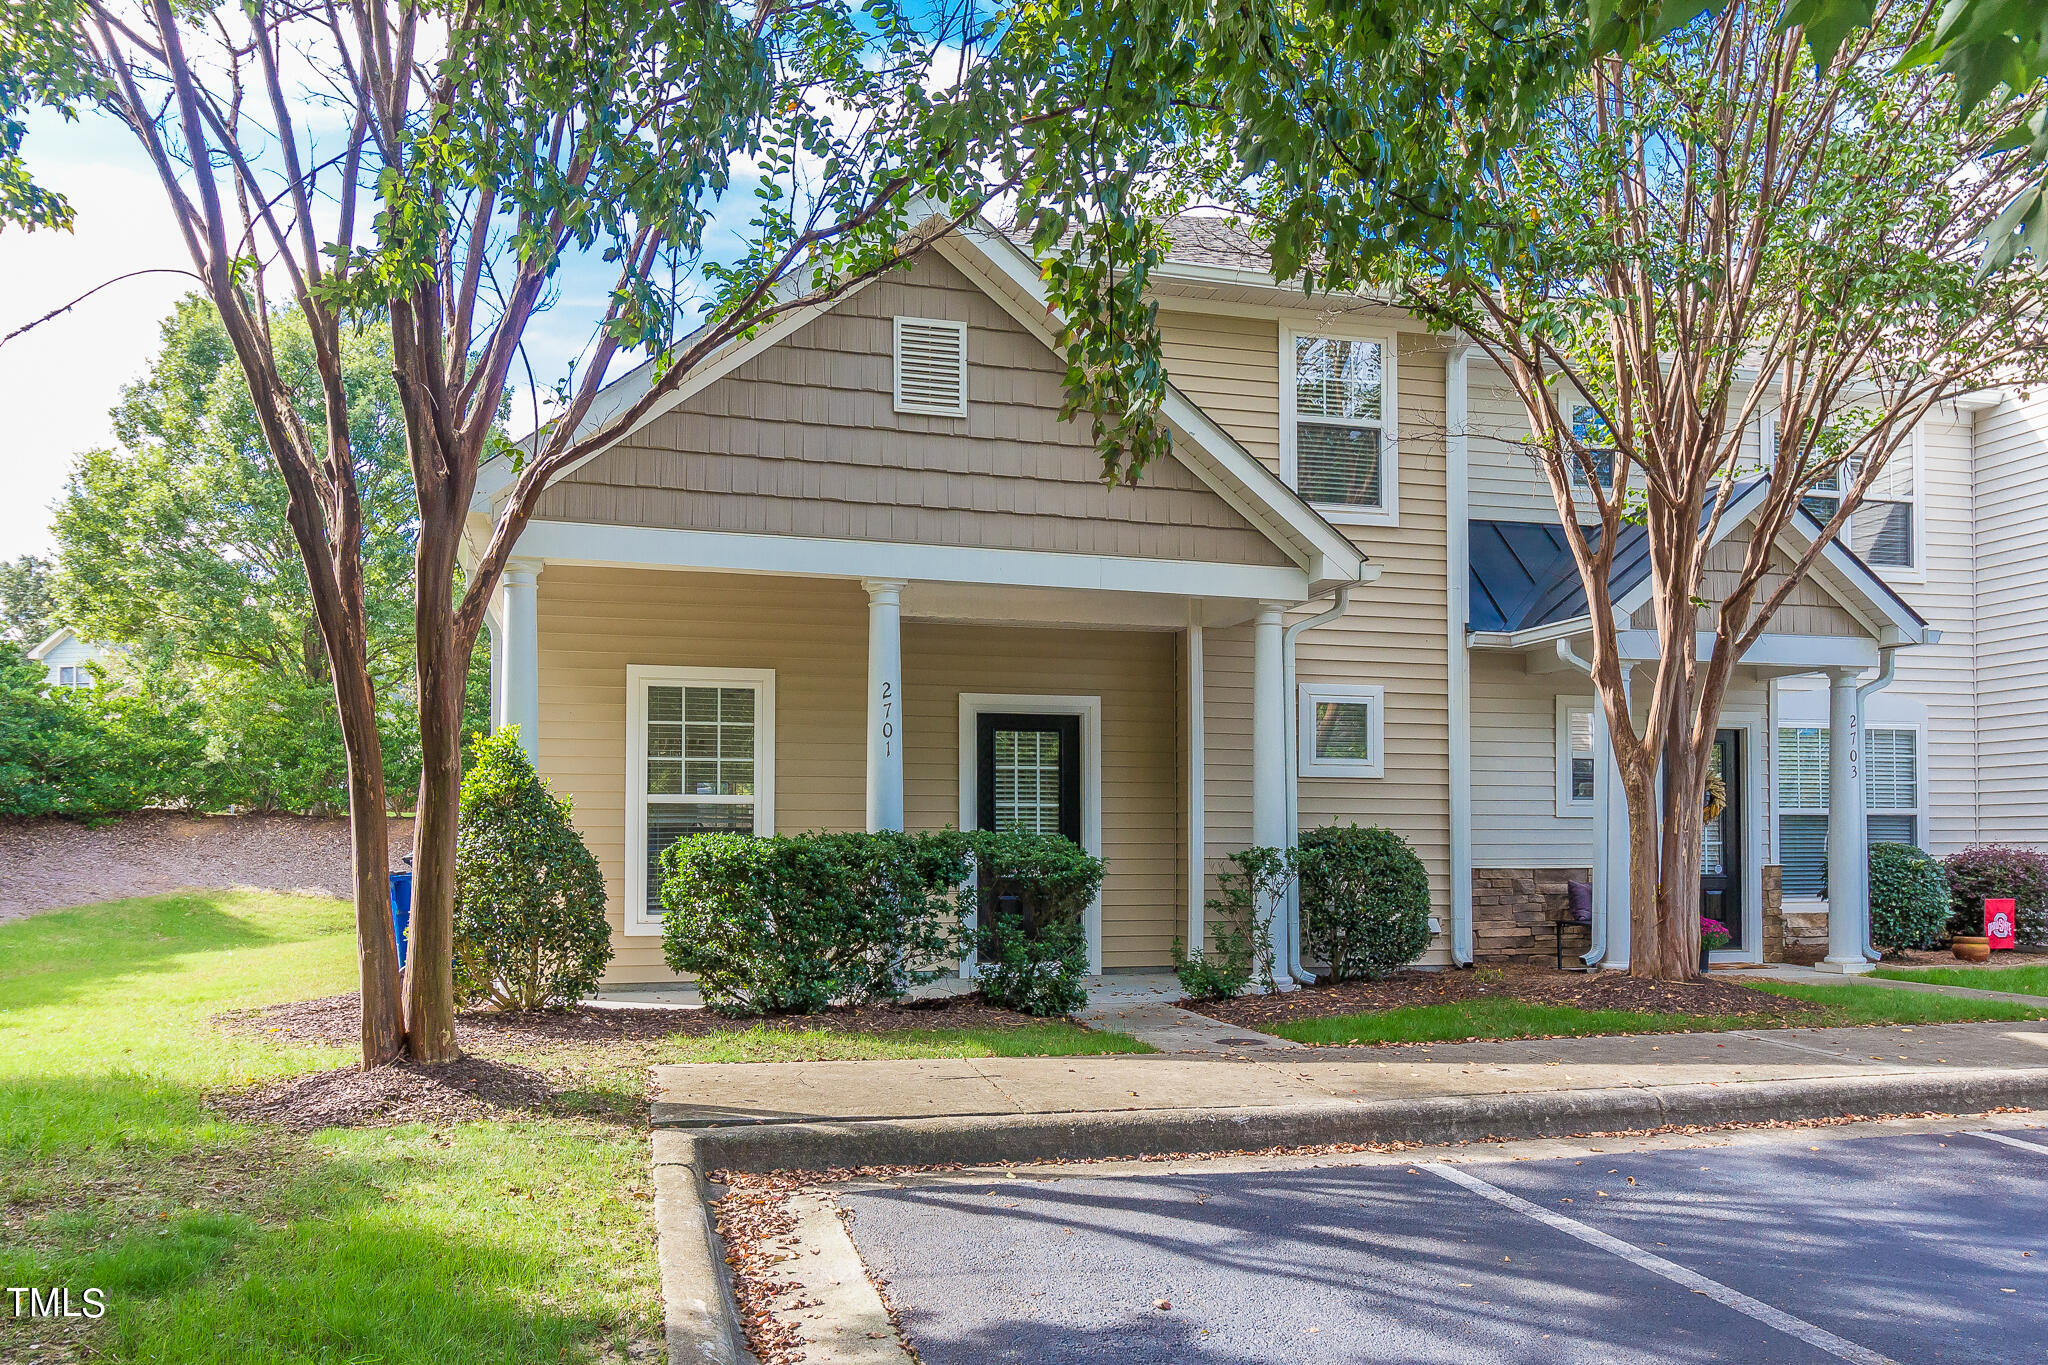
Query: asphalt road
1903	1248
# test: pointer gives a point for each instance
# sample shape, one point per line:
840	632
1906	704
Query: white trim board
637	923
1089	709
569	542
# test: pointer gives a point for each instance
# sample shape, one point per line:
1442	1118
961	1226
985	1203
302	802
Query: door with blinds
1028	771
1721	837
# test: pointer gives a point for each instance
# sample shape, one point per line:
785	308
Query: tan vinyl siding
804	440
594	622
1137	676
2009	513
1809	609
813	633
1394	634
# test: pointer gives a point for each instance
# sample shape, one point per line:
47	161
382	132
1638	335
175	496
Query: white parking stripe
1818	1337
2012	1142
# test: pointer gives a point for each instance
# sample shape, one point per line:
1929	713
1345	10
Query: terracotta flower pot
1971	949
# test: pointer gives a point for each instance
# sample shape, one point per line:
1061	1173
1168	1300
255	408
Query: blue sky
57	382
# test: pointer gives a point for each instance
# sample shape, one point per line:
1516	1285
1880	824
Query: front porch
669	701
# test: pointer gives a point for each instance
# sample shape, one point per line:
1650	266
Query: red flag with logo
1998	923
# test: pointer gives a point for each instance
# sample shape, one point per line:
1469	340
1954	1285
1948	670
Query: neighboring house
858	574
66	657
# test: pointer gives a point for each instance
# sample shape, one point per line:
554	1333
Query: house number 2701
888	725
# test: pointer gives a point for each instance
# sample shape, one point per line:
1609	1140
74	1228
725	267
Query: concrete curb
699	1317
1029	1138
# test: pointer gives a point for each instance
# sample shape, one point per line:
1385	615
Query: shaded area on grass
2018	980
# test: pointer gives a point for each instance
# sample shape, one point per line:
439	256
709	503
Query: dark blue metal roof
1523	576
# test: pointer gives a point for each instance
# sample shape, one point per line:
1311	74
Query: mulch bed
469	1088
1534	985
337	1020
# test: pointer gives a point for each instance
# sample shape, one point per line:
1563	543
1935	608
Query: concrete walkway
718	1095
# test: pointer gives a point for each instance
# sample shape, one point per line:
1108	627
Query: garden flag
1998	916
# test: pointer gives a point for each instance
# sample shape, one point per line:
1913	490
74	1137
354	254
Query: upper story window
931	367
1337	433
1590	430
1882	529
73	675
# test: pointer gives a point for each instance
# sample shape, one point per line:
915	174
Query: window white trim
943	342
1373	697
1089	709
640	677
1388	513
1581	477
1568	806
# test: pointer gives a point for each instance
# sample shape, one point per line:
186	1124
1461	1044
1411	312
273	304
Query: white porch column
495	618
1848	852
885	703
1198	854
520	653
1269	753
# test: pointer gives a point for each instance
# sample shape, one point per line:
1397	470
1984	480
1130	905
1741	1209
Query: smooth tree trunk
443	674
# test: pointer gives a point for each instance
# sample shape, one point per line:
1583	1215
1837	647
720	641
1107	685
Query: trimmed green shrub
1909	898
1031	946
530	930
1998	872
1364	901
793	923
1240	947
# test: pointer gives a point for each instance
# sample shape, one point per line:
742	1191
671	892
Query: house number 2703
888	725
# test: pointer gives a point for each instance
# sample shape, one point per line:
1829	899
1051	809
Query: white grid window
1575	767
1881	530
1342	730
1027	781
1891	798
1338	428
1590	430
702	755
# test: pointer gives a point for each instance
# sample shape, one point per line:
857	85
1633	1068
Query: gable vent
931	367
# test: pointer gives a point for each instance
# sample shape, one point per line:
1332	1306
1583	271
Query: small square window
1342	730
1575	757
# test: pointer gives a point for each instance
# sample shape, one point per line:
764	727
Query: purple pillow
1580	897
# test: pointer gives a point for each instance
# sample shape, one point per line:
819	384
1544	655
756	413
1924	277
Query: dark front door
1721	840
1029	772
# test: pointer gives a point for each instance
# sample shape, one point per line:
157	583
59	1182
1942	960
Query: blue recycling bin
401	911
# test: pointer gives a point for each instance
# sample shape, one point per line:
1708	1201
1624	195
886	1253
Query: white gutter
1888	657
1603	890
1288	953
1458	612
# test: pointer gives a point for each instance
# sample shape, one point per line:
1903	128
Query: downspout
1457	617
1887	665
1596	946
1289	953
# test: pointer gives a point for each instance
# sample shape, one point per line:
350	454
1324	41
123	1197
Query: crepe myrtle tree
1701	229
441	166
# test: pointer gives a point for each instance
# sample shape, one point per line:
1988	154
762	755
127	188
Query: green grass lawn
524	1240
2018	980
1505	1017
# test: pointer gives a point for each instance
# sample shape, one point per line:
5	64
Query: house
858	574
67	657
